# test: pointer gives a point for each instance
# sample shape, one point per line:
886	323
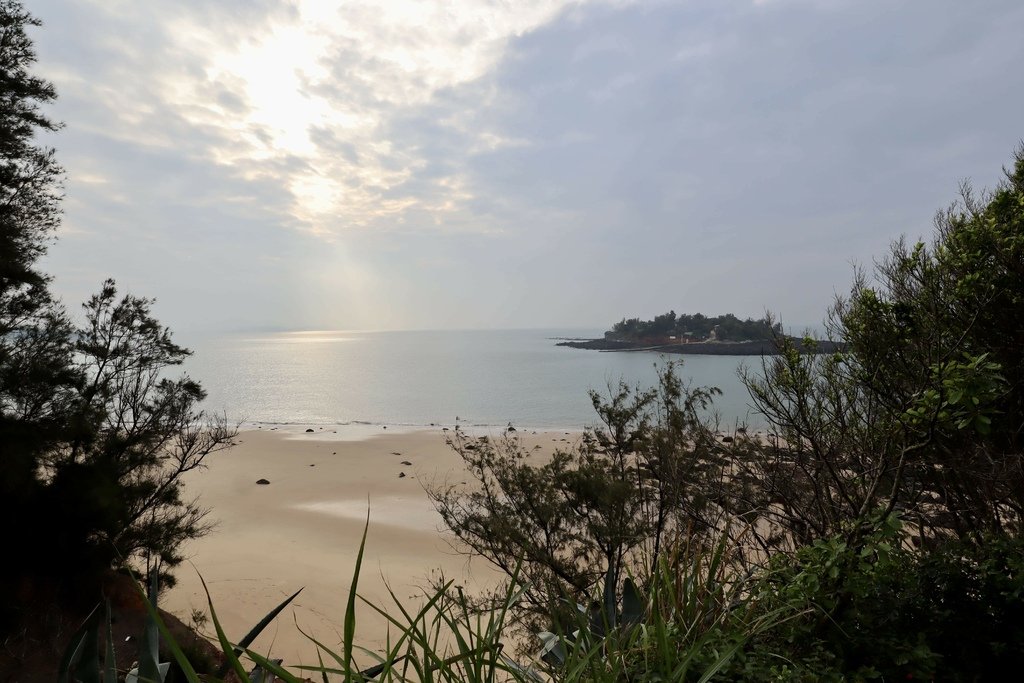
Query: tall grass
686	625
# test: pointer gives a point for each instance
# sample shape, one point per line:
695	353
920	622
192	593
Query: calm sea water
483	378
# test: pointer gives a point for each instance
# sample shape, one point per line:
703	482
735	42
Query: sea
482	379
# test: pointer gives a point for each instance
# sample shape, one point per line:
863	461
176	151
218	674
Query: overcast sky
513	163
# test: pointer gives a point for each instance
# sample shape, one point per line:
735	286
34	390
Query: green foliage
94	437
923	410
939	338
832	611
697	327
82	662
108	486
443	641
692	622
30	178
828	458
35	341
582	514
962	394
150	669
878	610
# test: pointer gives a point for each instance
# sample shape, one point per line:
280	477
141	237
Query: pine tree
94	437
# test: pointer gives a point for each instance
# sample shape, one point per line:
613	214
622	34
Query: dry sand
303	530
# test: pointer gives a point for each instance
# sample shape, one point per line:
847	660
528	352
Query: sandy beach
303	530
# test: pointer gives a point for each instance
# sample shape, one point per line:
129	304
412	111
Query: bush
880	610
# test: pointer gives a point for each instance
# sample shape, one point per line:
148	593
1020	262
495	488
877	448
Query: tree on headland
695	327
94	437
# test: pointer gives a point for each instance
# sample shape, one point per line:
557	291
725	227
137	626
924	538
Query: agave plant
82	662
693	620
595	622
473	652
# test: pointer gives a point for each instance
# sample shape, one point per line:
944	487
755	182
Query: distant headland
724	335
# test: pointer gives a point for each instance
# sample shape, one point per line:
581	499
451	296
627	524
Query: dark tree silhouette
94	436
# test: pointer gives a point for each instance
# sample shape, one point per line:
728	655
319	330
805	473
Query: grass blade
149	648
74	649
254	631
350	607
230	653
109	660
179	656
272	667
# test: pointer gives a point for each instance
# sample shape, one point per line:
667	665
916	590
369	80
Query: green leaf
179	656
253	632
75	648
149	644
632	603
110	661
350	607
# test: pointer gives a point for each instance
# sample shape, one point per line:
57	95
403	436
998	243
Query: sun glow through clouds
320	87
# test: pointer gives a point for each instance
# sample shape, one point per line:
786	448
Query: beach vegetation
922	412
874	530
694	327
583	515
95	431
689	625
888	473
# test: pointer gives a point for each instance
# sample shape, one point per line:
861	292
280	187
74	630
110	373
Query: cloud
471	163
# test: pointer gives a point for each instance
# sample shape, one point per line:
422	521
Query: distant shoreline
716	348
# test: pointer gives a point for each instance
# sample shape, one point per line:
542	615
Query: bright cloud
342	72
497	163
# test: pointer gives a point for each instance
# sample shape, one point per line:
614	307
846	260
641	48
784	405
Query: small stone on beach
406	462
309	431
401	475
262	482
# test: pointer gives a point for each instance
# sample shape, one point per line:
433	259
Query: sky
266	165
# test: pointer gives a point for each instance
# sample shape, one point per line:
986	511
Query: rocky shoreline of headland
764	347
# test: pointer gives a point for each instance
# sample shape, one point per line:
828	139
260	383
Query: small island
723	335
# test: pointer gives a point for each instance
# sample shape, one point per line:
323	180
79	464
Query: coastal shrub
611	502
95	434
922	411
690	624
828	612
443	641
882	611
695	327
693	623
